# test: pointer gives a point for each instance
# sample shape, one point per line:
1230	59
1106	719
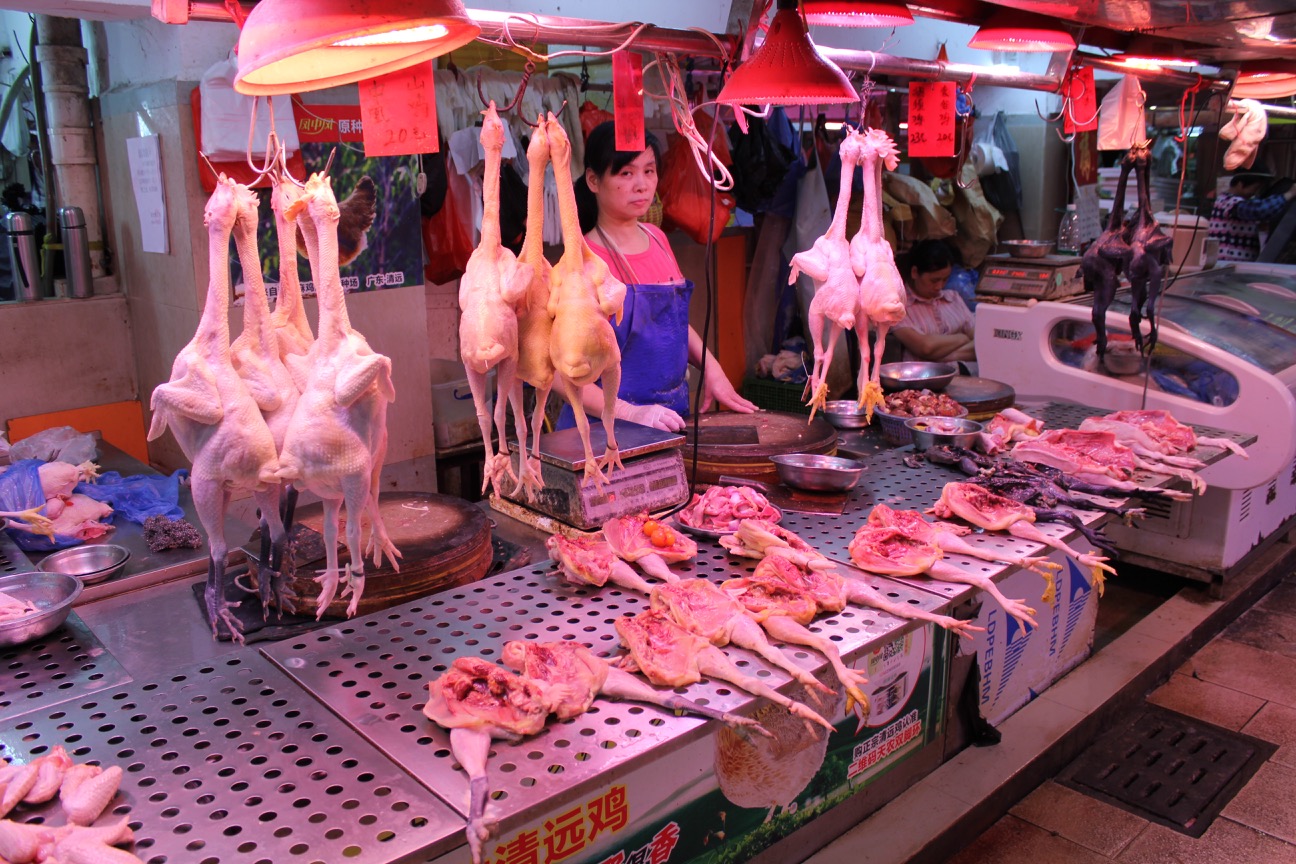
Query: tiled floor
1244	679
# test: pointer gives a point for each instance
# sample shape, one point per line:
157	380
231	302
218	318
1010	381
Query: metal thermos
76	252
20	232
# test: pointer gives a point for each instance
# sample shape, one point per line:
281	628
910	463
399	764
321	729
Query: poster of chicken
379	239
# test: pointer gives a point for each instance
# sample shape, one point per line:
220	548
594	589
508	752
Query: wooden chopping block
740	444
444	542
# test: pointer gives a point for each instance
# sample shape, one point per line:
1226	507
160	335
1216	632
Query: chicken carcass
535	366
492	290
337	438
642	540
758	539
702	608
1006	427
1091	453
1150	249
785	612
1108	257
213	416
827	262
590	561
571	676
985	509
891	552
256	358
59	479
1169	434
477	701
671	656
947	538
78	516
1137	440
583	295
881	289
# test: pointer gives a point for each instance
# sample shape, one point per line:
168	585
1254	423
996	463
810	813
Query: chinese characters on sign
145	159
568	833
931	119
399	113
656	851
884	743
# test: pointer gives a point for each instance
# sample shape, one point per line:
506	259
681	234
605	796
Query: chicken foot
620	684
785	629
471	747
712	662
746	633
1016	608
36	523
1097	564
496	466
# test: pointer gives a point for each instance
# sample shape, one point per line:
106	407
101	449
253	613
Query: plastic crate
775	395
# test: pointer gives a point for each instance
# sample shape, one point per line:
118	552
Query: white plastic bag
226	115
1122	122
62	443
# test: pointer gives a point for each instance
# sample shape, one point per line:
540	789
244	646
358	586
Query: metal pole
1161	76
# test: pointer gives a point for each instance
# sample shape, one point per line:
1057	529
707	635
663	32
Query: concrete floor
1244	679
1229	661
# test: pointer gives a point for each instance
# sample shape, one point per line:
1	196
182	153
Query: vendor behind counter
938	324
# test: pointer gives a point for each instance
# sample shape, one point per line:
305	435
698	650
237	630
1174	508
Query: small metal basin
845	414
917	375
90	564
1027	248
942	431
817	473
51	593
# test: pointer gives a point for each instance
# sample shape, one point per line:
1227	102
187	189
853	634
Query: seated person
937	325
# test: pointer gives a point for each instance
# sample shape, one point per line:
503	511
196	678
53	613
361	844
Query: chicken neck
257	325
289	311
837	228
213	333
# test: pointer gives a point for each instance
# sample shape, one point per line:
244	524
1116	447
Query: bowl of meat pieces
33	605
907	404
916	375
720	509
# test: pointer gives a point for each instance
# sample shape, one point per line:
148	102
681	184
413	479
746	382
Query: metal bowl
90	564
845	414
938	431
1027	248
917	375
817	473
51	593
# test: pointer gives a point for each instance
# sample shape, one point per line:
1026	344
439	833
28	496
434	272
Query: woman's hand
656	416
716	388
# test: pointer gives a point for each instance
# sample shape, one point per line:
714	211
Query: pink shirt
942	316
655	265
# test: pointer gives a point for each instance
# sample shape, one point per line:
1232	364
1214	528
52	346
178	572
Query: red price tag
931	118
628	100
1081	114
399	112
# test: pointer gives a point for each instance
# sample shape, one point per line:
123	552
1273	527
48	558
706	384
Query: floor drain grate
1168	768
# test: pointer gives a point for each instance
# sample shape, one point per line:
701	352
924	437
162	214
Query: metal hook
584	75
527	72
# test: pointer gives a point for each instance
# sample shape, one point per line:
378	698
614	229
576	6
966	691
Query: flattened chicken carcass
652	545
590	561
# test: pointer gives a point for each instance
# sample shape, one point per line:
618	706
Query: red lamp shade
293	46
1150	53
857	13
1015	31
1265	79
787	70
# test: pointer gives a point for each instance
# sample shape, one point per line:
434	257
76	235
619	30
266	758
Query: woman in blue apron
654	335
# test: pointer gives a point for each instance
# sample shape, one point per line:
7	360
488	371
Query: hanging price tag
399	112
931	119
628	100
1081	112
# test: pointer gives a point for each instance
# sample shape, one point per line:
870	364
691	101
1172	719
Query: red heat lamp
1265	79
1145	52
857	13
787	69
293	46
1016	31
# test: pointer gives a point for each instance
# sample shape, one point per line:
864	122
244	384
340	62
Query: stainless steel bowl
817	473
1027	248
51	593
917	375
845	414
938	431
90	564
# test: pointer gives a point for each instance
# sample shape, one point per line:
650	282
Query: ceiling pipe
935	70
1160	76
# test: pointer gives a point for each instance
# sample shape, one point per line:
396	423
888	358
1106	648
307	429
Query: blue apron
653	338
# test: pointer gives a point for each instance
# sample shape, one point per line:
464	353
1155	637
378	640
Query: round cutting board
444	542
982	397
741	444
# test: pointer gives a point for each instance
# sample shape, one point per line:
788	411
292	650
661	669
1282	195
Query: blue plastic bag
139	496
20	489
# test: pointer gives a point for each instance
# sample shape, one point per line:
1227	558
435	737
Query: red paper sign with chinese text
628	100
399	112
1081	101
931	119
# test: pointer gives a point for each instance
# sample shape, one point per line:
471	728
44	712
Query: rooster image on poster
357	212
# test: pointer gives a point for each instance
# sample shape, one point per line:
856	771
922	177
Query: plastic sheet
61	442
138	496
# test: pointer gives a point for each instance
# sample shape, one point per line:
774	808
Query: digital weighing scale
1009	280
652	479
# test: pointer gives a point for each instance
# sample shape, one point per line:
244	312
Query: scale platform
1005	279
653	478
